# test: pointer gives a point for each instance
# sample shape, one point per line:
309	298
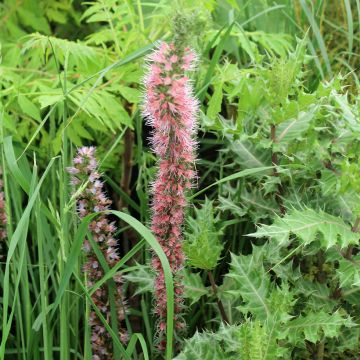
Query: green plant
272	227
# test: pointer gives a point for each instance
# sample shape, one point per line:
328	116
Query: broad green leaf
292	129
130	94
47	100
248	155
28	107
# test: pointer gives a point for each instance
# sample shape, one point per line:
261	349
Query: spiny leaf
193	286
306	225
292	129
349	272
252	283
248	155
143	277
202	245
317	326
202	346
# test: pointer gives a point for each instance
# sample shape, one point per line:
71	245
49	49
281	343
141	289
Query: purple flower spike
93	199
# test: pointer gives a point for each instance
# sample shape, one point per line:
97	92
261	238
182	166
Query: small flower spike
92	199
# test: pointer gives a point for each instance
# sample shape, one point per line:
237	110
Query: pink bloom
171	109
93	199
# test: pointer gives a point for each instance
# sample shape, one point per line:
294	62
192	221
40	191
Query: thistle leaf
316	326
203	346
251	283
193	286
348	273
143	277
306	225
202	245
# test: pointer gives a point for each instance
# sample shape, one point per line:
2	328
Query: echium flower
3	218
170	108
90	198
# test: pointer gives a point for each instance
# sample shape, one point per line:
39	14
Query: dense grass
278	139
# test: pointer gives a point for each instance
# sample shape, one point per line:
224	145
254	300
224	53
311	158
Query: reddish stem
218	300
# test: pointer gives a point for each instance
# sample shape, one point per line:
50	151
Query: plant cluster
232	226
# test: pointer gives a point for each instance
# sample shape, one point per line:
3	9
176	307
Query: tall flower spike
90	198
170	108
3	218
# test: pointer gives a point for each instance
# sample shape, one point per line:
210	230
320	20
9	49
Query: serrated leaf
214	105
227	204
314	327
202	245
306	225
193	286
252	283
348	272
202	346
249	341
143	276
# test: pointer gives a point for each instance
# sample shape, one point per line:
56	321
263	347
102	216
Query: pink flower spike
171	109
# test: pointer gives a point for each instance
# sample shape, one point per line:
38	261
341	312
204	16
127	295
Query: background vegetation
274	221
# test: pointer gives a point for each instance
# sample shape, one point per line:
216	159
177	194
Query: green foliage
202	245
306	225
143	277
275	217
317	326
251	283
193	286
348	273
